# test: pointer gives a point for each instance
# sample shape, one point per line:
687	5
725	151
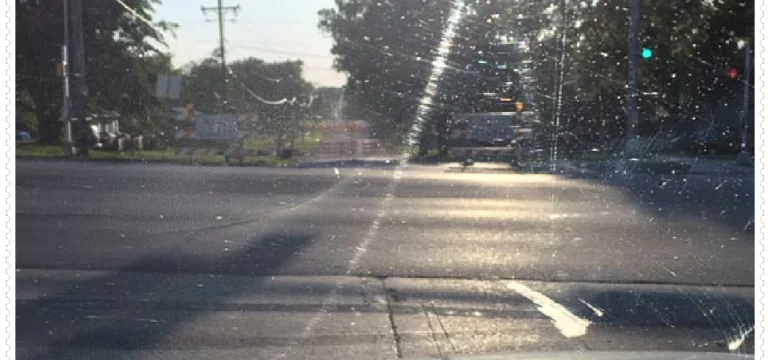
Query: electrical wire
280	52
257	97
138	16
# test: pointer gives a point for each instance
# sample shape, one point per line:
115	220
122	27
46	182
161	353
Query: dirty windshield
381	179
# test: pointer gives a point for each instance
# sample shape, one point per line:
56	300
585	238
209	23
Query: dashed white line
360	251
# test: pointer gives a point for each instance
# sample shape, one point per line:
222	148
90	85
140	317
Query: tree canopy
123	58
276	93
578	51
386	49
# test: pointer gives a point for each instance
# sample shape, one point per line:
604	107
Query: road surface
380	262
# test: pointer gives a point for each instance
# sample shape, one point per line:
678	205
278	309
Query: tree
693	44
579	50
327	103
386	48
275	92
120	51
200	84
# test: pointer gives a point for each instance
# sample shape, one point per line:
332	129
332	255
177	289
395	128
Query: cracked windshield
382	179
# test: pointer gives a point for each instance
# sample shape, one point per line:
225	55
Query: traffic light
733	73
646	53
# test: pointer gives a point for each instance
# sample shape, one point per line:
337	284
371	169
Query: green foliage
276	93
386	48
327	103
694	44
579	51
123	57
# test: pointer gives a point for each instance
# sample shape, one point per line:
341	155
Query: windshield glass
383	178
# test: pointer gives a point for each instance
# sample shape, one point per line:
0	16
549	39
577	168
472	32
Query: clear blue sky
267	29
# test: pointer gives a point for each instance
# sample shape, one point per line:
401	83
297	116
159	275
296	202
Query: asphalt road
333	261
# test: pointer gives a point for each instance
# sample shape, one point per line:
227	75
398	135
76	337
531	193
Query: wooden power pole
221	11
79	78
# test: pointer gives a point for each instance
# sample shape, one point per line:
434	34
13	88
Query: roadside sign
168	87
217	127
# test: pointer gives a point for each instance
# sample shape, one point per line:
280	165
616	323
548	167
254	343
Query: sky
266	29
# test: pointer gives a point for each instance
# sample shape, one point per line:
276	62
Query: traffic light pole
745	112
560	88
632	110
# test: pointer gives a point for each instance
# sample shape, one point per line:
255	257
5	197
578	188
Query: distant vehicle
511	137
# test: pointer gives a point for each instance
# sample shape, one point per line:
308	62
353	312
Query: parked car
23	136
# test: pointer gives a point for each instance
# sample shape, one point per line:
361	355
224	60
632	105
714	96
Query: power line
281	52
254	95
138	16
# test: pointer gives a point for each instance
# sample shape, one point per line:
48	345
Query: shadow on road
726	316
715	199
51	325
646	308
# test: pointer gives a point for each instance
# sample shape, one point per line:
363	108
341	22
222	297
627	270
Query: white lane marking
564	216
361	249
595	309
576	215
738	341
375	227
566	322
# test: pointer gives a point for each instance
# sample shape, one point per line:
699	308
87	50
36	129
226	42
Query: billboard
217	127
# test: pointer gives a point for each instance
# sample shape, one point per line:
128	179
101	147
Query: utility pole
221	10
632	110
65	110
79	74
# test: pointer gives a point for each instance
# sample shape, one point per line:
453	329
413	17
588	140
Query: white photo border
8	143
9	174
760	167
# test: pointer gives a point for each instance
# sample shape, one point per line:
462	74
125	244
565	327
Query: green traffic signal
646	53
